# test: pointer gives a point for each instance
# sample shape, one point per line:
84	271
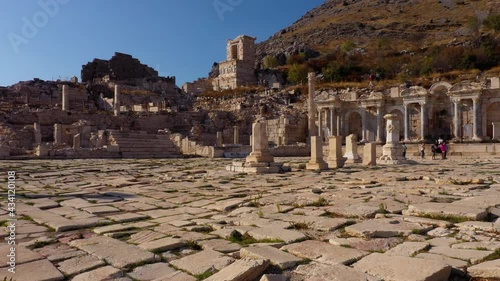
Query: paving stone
202	262
241	270
362	211
220	245
144	237
117	253
101	210
76	203
163	244
45	271
181	223
273	277
127	217
383	228
408	249
103	273
397	268
472	256
485	245
324	252
44	203
23	255
479	225
489	269
79	264
177	276
113	228
225	205
445	209
333	272
442	241
456	263
151	271
277	257
372	245
288	236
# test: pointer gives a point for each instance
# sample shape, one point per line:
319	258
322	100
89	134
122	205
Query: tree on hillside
270	62
297	73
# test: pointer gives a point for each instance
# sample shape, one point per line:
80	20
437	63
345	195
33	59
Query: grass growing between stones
320	202
245	239
205	275
493	256
449	218
300	225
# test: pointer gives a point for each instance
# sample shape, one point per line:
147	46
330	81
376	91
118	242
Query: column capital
422	103
476	99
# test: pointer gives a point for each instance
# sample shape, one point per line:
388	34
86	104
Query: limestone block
370	154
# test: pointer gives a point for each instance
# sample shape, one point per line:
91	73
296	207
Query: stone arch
399	111
440	85
354	121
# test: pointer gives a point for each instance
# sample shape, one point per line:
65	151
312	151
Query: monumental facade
466	111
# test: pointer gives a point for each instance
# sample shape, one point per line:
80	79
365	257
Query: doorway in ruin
441	118
355	122
492	115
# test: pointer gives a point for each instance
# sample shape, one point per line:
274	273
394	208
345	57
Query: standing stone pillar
351	149
496	131
456	119
380	119
335	158
392	152
316	162
475	102
332	120
58	134
117	101
407	123
313	131
370	154
364	125
423	124
339	123
219	139
38	133
65	98
236	138
320	123
260	144
77	141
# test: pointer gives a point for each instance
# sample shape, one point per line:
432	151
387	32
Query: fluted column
117	100
364	125
475	118
380	120
332	120
313	131
65	98
320	121
339	123
456	119
423	120
407	123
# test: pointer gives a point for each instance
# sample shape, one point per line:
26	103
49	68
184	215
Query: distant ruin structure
239	67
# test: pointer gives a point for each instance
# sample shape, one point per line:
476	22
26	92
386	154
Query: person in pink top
444	149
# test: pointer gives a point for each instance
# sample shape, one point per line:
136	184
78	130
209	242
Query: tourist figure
440	141
422	150
404	150
433	150
444	150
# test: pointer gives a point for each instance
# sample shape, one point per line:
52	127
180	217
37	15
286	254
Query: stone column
380	120
332	119
38	133
339	123
456	119
219	139
313	131
364	125
65	98
57	134
407	123
236	135
475	119
423	124
117	100
320	125
316	162
77	142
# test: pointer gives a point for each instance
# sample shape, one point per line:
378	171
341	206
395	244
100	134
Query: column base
317	165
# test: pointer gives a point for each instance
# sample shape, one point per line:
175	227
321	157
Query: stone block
370	154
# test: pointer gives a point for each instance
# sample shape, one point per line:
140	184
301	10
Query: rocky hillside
407	24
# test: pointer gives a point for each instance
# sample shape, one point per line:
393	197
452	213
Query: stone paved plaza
189	219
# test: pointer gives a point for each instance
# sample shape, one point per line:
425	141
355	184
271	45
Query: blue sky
52	39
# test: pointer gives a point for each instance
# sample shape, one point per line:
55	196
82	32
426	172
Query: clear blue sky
179	38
